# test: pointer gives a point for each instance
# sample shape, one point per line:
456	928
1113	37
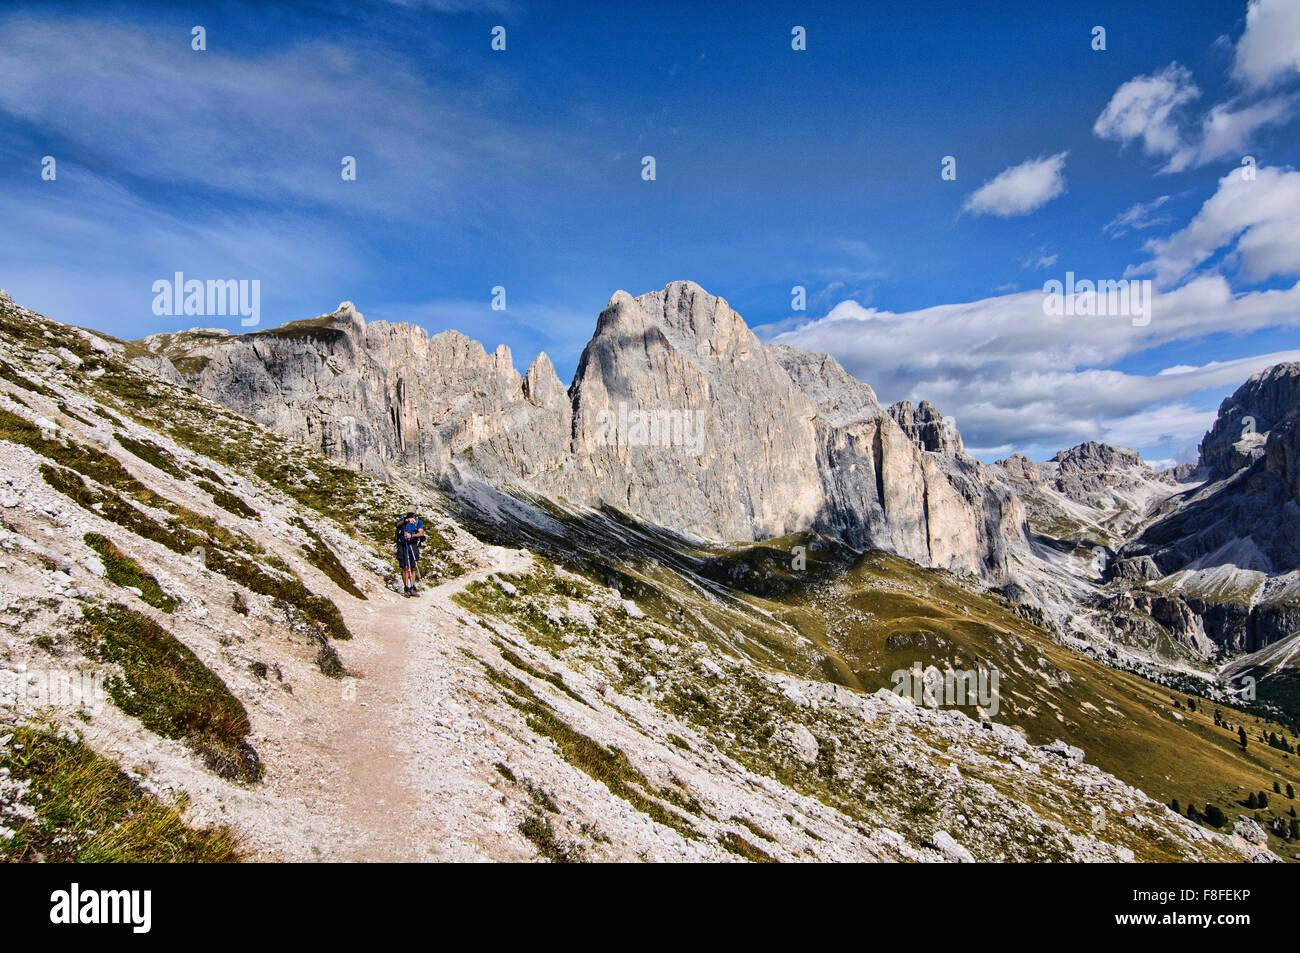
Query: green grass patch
548	677
743	848
323	558
152	454
227	500
69	412
609	766
753	828
10	373
122	570
88	811
180	538
539	831
88	461
170	690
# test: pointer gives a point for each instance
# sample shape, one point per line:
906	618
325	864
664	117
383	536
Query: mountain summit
677	414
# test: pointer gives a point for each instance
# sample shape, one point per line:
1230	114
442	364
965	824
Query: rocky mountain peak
1021	467
542	385
839	397
696	323
1267	401
678	414
927	428
1094	457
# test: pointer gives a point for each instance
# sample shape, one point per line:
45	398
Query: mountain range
735	440
667	609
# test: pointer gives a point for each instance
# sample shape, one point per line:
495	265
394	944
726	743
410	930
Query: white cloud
1136	218
1226	131
62	254
1020	189
1014	377
1255	221
1145	109
1270	48
1150	109
1039	259
135	99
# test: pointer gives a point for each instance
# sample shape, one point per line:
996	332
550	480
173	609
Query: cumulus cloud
1227	130
1152	109
1020	189
1144	109
1254	221
1269	50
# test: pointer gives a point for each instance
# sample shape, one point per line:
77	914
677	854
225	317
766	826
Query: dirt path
392	739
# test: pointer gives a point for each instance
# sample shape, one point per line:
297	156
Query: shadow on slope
817	609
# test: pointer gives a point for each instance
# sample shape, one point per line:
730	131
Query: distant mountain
1230	547
1248	512
573	683
677	414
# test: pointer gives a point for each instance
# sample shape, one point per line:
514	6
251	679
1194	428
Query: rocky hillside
1248	512
1229	548
204	658
681	417
677	414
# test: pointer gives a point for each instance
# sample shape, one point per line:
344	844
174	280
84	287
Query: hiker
410	532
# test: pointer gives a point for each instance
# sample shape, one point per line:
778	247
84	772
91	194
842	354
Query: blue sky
774	168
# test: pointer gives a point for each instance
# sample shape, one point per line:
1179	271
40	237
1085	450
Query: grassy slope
83	808
853	619
831	621
163	683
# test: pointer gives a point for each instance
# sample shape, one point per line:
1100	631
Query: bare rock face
786	440
1020	467
927	428
1234	541
677	415
373	395
1248	515
684	418
1104	477
1269	401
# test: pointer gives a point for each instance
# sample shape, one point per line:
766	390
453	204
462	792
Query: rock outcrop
927	428
1248	514
376	395
1096	473
680	416
1268	402
677	414
1231	546
1020	467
